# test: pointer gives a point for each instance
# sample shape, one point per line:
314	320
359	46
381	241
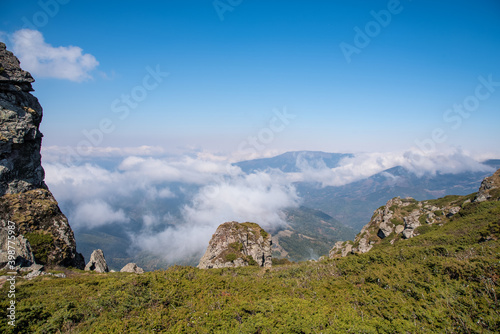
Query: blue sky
228	77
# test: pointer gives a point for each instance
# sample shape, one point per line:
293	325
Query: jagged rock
411	223
236	245
486	190
20	137
132	268
22	254
97	262
11	72
25	199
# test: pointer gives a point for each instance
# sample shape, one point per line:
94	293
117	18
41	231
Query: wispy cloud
44	60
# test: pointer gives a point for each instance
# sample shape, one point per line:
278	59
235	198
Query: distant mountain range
326	215
353	204
289	162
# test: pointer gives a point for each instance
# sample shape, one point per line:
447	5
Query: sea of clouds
92	195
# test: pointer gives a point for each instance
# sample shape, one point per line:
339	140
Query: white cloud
256	197
43	60
96	213
176	244
211	191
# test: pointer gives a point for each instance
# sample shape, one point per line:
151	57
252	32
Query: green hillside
446	280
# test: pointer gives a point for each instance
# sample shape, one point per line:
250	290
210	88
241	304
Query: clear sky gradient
231	64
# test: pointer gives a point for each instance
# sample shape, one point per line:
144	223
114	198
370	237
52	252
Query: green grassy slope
444	281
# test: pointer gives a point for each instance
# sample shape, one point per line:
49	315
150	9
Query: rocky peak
12	77
24	197
237	245
97	262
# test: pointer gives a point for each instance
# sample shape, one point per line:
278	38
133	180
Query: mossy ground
444	281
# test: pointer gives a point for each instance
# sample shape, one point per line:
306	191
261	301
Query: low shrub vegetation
444	281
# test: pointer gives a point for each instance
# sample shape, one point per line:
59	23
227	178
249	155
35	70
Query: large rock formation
97	262
402	218
237	245
25	199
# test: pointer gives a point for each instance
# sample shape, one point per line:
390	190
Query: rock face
237	245
97	262
132	268
20	138
25	199
401	218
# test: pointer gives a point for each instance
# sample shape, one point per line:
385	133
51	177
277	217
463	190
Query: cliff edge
28	210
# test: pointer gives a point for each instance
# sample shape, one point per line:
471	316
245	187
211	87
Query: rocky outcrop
489	189
398	219
97	262
237	245
401	219
132	268
25	199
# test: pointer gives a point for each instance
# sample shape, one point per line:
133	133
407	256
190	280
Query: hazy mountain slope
353	204
309	234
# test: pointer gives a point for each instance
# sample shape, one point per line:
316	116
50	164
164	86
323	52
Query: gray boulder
97	262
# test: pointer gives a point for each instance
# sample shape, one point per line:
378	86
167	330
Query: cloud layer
172	206
362	166
43	60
